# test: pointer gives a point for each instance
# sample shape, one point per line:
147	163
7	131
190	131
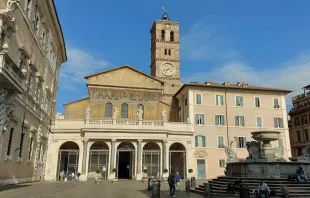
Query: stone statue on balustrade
115	113
255	151
305	154
140	113
164	115
231	155
87	113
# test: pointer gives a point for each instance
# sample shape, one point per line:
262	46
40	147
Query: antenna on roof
241	77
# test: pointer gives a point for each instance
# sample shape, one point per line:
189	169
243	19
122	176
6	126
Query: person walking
72	176
178	181
172	182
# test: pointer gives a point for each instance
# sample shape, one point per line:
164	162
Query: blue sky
264	43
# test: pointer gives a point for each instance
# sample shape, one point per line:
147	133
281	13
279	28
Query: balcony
10	75
123	125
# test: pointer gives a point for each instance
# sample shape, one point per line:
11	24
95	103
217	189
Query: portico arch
125	160
177	159
151	159
98	159
68	160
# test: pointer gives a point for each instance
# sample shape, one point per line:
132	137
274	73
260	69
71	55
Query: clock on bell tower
165	53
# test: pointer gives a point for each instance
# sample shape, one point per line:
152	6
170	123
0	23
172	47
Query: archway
98	159
177	159
68	160
151	159
125	161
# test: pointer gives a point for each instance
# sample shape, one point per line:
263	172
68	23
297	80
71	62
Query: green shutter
197	119
237	142
203	119
236	120
196	141
275	123
223	120
281	122
216	120
222	100
204	141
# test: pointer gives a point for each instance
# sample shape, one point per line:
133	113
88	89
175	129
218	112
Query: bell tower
165	54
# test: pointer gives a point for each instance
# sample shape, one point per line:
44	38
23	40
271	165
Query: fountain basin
266	135
265	169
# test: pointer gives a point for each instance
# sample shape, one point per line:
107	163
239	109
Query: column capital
165	141
140	140
85	140
113	140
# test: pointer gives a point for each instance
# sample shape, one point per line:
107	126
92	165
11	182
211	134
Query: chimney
208	82
239	84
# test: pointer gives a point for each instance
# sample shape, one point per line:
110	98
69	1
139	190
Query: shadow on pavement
13	186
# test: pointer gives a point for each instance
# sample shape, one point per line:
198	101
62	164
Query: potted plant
145	176
165	175
114	180
98	177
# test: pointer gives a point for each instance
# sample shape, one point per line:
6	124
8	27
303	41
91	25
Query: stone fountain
264	161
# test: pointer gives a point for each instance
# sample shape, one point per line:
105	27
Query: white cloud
202	42
292	75
79	64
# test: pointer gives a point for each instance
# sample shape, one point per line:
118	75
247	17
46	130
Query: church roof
121	67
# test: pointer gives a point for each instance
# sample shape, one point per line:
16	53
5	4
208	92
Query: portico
129	149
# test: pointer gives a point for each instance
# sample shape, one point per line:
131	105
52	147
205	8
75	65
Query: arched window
142	107
108	110
165	51
169	52
171	36
163	35
124	110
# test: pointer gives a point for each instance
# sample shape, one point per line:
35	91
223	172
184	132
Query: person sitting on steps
301	175
263	189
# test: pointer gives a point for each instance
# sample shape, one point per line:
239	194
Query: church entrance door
125	161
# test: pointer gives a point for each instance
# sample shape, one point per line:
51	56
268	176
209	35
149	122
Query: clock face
167	69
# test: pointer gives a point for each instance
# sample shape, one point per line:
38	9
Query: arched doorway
151	159
125	161
177	159
68	160
98	159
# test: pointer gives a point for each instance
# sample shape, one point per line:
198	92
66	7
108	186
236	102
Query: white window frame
236	142
236	101
223	119
216	100
243	121
201	98
261	121
278	123
220	163
203	118
204	144
259	98
217	140
274	103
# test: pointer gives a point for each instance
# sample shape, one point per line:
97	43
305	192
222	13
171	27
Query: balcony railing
301	96
123	124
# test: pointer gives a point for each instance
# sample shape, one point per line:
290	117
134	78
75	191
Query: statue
188	120
231	155
255	151
140	113
305	154
115	113
164	115
87	113
278	154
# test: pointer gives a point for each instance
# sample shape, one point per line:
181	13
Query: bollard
156	189
193	182
187	186
244	192
207	188
285	192
150	184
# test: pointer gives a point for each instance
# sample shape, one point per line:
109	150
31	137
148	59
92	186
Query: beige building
134	123
299	122
225	115
32	50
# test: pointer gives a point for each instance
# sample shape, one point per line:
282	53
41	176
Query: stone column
112	155
139	149
85	144
165	150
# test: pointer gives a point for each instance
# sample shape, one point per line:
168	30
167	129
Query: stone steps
219	186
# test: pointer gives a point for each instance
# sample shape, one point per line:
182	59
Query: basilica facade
134	124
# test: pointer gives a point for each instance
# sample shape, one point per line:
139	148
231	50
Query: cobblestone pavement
123	188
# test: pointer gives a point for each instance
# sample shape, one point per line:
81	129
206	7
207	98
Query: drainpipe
226	118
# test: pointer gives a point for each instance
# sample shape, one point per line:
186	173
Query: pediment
124	76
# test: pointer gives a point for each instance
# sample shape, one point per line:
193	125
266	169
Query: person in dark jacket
172	182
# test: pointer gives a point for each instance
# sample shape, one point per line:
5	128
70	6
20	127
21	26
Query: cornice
170	42
164	59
